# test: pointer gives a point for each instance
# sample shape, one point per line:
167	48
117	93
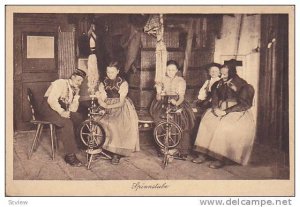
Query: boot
72	160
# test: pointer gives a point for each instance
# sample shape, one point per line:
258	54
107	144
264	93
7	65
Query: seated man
59	107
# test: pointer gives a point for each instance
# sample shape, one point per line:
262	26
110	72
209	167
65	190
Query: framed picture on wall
39	51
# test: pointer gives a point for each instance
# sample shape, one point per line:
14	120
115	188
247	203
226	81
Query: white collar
215	79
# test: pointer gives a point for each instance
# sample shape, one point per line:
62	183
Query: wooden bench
145	121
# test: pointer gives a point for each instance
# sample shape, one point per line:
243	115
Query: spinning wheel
92	134
167	134
167	131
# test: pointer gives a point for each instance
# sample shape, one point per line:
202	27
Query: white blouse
206	88
172	86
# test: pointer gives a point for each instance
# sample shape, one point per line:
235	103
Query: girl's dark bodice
112	87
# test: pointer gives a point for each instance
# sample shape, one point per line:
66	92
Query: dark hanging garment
84	46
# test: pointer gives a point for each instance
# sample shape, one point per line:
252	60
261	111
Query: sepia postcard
150	100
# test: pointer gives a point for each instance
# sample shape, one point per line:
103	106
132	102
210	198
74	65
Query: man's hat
79	72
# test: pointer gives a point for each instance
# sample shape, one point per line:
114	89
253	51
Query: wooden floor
143	165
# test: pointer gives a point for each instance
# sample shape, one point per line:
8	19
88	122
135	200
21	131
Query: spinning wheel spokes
88	127
170	131
175	134
92	134
160	135
172	140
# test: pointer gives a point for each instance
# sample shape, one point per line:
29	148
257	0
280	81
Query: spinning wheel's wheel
92	134
167	131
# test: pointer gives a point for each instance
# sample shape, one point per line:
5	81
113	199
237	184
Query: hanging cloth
152	25
93	74
188	49
161	54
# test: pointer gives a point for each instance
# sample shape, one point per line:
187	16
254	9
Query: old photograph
150	100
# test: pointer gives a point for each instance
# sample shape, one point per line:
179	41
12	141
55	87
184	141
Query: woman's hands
65	114
112	106
174	102
218	112
103	104
158	97
159	89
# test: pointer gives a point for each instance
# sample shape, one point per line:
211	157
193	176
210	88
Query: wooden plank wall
28	73
142	82
66	53
33	73
273	100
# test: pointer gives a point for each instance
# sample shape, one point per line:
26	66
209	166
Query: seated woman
174	85
121	121
227	130
204	96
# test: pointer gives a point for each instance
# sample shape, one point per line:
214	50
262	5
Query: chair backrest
31	103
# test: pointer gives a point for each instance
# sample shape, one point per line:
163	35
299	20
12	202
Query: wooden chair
40	125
